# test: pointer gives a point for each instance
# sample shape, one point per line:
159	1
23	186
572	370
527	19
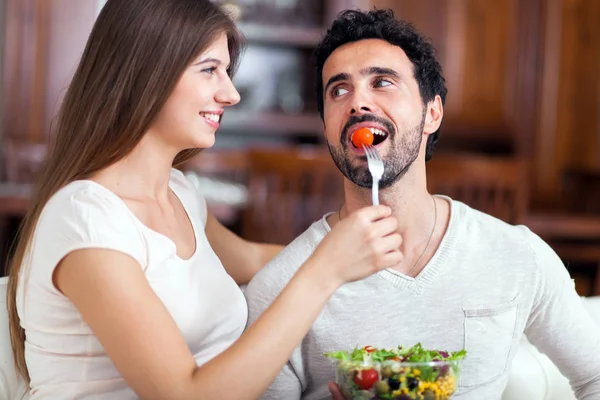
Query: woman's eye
338	92
210	70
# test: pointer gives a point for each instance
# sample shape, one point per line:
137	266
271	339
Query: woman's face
191	115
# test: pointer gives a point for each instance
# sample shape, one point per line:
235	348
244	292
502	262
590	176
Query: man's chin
357	174
360	182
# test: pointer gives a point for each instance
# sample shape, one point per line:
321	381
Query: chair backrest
289	189
225	164
10	387
495	185
22	160
586	183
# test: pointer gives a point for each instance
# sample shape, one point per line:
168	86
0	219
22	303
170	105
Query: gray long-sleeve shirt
487	284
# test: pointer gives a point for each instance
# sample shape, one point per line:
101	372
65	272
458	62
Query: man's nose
356	109
360	104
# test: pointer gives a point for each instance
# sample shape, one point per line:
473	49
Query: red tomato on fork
362	136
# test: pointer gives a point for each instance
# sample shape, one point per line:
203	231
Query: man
467	280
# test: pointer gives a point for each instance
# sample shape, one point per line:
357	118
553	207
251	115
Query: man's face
370	83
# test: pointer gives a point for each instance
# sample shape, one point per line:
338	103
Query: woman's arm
241	258
113	296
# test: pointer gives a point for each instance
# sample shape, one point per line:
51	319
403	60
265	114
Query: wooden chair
494	185
585	183
22	160
217	172
226	164
289	189
499	186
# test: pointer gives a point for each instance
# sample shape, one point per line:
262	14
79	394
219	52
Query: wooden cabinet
43	40
522	78
488	53
568	131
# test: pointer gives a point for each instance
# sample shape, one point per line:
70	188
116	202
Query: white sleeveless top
64	358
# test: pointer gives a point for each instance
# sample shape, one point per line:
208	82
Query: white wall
99	5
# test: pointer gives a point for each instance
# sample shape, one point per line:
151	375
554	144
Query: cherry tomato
362	136
369	349
366	378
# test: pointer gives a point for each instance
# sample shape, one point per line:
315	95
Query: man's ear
434	115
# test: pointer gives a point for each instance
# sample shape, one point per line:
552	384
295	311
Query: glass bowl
365	374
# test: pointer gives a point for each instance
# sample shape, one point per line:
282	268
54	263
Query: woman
122	284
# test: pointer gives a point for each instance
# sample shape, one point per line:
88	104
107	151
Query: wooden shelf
282	35
14	198
306	124
564	226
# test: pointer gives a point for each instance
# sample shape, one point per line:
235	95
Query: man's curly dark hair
354	25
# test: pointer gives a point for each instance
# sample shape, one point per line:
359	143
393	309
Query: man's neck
411	204
422	219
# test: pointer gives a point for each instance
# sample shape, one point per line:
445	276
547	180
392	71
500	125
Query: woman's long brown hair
133	59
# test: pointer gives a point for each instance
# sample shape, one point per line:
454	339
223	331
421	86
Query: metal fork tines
376	169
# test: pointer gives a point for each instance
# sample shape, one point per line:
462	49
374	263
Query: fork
375	168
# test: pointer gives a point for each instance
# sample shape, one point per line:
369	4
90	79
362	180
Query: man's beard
403	151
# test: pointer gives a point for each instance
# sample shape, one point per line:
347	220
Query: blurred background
520	138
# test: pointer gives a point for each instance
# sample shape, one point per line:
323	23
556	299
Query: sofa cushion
10	386
534	377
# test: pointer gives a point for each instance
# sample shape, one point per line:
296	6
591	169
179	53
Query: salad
402	373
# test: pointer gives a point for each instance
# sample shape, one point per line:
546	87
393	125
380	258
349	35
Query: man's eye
382	83
338	92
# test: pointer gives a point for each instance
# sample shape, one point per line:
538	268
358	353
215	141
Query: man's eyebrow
380	71
336	78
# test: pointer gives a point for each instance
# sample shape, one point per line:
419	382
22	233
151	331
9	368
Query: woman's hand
359	245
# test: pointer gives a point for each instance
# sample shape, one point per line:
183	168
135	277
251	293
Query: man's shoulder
492	235
277	273
486	226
